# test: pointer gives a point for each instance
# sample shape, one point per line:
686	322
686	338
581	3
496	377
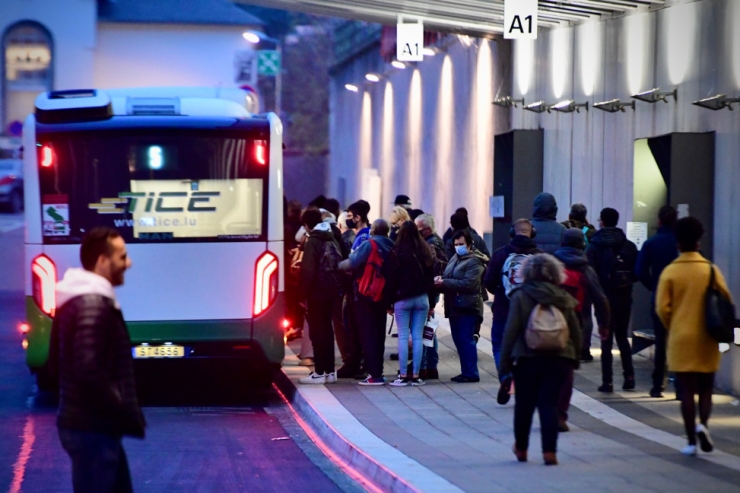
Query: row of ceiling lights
717	102
373	77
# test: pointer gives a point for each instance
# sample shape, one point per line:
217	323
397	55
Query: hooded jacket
525	299
605	245
90	353
462	285
549	231
493	280
575	259
312	253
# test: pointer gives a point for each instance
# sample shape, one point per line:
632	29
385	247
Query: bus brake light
265	282
47	156
44	274
260	152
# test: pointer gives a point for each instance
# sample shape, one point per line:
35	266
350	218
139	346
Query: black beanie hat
574	238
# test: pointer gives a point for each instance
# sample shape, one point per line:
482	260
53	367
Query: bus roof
134	122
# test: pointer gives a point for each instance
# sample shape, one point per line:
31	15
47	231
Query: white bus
194	184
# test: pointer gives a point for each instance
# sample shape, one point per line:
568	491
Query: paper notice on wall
637	233
496	205
56	219
683	210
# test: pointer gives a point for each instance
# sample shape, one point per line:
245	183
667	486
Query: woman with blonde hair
399	215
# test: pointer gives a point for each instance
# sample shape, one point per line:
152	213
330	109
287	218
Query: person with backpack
613	257
577	220
693	354
461	285
655	255
549	230
367	263
430	354
581	282
410	279
541	344
320	285
502	277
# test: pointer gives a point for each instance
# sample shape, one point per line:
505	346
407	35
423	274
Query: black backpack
330	277
617	269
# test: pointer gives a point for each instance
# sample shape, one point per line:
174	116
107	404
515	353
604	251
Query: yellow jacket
679	302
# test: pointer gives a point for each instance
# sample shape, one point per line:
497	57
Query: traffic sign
520	19
268	62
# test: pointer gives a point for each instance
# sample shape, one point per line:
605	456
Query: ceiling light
717	102
569	106
251	37
538	107
654	95
508	102
351	87
398	65
372	77
429	51
614	106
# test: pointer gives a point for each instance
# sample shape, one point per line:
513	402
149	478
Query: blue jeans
411	315
463	327
99	463
497	340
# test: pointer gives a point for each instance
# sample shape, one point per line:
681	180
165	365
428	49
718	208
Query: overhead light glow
372	77
679	40
351	87
637	47
251	37
559	60
590	48
398	65
429	52
524	50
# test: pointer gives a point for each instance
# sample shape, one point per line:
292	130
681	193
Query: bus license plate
159	352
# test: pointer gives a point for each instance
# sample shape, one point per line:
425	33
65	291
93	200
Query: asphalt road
202	435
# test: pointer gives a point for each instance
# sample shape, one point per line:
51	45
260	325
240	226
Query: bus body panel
31	193
275	230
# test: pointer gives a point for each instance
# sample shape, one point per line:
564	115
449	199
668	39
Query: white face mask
461	249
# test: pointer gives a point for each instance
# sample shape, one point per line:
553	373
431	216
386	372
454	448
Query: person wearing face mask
399	215
357	219
461	285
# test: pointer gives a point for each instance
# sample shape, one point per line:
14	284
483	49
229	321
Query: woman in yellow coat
692	354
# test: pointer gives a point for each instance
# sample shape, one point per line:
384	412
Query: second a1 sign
520	19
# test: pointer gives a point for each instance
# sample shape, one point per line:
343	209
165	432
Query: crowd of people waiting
549	283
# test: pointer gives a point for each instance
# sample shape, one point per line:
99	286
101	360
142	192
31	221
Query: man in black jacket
90	353
520	246
613	257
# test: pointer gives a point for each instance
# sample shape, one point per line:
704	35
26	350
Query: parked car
11	185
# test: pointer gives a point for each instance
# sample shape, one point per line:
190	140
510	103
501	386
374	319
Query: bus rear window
154	185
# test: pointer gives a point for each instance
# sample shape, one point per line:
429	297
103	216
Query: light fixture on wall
654	95
538	107
398	65
508	102
372	77
569	106
430	51
351	87
614	106
718	102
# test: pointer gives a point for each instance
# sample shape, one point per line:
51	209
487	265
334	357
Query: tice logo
193	201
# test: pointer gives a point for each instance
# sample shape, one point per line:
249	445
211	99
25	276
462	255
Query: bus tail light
265	282
44	275
46	156
260	151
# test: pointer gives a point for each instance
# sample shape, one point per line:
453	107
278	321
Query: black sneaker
587	357
476	337
606	387
394	357
629	383
503	395
347	372
656	392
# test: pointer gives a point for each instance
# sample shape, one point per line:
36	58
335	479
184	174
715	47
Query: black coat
90	353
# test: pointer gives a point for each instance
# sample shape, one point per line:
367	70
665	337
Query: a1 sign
410	42
520	19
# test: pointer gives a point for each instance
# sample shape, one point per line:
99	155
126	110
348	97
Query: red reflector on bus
24	328
47	156
260	151
286	323
44	274
265	282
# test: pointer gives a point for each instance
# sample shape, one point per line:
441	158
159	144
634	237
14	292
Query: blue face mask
461	250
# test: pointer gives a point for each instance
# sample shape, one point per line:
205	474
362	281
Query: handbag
719	313
430	328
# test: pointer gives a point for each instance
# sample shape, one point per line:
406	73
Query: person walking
502	276
370	314
398	216
577	220
657	253
410	279
613	257
549	230
539	373
461	285
582	283
320	285
90	354
693	355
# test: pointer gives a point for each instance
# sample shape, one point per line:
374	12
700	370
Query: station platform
451	437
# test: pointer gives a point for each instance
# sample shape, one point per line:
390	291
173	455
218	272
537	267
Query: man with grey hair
370	315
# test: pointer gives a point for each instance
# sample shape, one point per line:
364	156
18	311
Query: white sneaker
399	382
314	378
331	377
689	450
705	439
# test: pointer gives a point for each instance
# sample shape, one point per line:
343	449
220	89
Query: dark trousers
352	344
538	382
566	392
463	327
621	309
660	350
318	313
99	463
497	340
371	319
587	325
337	321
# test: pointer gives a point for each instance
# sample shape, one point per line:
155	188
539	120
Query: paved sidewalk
447	436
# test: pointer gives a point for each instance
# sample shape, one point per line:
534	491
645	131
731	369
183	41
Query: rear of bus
194	187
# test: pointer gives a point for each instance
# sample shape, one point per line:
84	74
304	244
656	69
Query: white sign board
683	210
637	233
520	19
496	205
410	42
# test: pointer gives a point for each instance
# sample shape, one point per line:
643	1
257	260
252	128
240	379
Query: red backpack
574	285
372	281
